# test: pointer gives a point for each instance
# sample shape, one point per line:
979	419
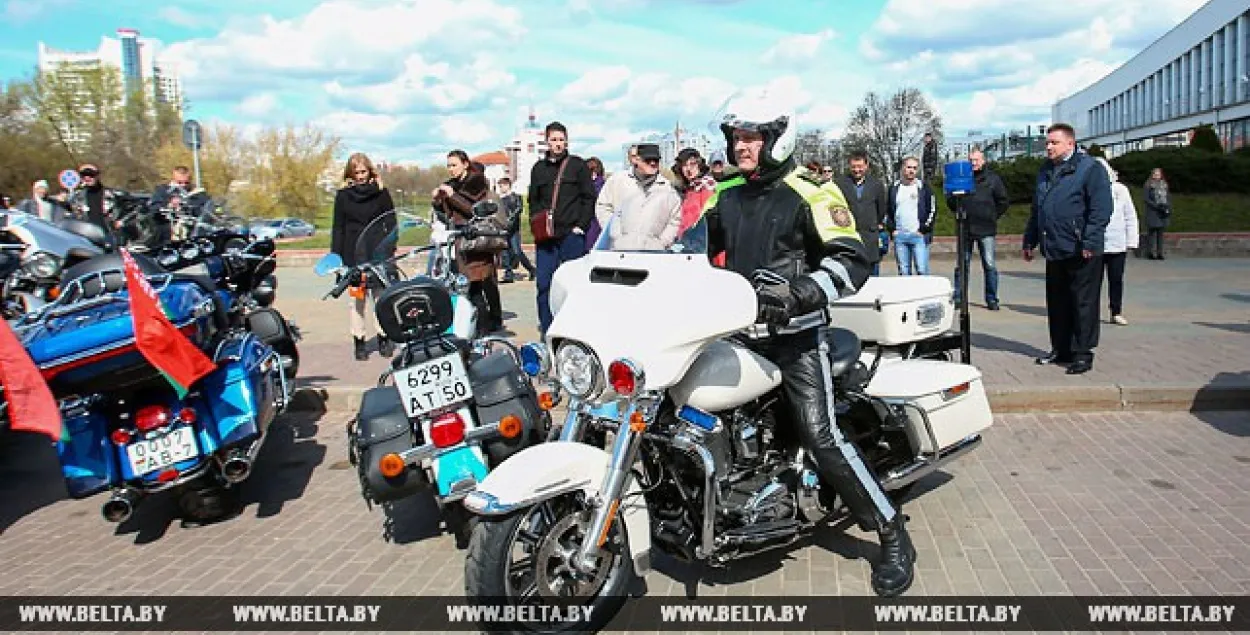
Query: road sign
69	179
192	135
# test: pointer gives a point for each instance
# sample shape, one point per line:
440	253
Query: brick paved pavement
1052	504
1189	326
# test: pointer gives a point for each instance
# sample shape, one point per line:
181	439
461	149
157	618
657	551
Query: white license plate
433	385
164	451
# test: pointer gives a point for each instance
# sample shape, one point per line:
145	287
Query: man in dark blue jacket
1071	210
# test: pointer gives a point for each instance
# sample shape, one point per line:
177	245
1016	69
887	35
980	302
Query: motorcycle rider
94	202
781	225
168	196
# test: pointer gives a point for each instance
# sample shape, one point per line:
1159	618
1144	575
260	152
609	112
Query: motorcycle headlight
578	370
43	265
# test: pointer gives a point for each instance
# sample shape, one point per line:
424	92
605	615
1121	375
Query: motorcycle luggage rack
72	295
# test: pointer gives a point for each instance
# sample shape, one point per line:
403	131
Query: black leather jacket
765	223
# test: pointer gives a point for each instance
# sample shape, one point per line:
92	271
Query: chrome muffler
119	507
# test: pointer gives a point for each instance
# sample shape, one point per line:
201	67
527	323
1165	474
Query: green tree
1096	150
1205	139
284	179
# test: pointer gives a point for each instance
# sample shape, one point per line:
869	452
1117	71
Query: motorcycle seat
846	349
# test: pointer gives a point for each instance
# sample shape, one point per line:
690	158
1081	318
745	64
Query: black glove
806	296
774	305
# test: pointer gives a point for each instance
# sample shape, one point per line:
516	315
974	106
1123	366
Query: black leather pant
807	388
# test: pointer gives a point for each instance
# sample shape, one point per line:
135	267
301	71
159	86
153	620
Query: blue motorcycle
451	406
126	429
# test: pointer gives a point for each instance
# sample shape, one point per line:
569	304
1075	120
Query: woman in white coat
648	211
1122	235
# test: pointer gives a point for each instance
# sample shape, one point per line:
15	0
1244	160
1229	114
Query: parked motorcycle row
126	430
671	439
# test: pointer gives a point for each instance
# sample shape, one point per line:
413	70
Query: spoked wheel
527	559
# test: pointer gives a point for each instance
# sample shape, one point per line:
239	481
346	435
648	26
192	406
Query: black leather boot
893	573
361	353
386	348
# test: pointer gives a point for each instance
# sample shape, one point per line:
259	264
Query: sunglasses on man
89	172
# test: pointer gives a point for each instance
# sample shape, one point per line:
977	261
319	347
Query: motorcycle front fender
545	471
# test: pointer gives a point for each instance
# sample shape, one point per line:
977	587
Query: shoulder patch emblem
841	216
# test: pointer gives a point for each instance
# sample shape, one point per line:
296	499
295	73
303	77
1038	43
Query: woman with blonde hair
361	199
1121	236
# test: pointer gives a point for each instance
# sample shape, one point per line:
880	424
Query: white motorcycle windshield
690	240
657	308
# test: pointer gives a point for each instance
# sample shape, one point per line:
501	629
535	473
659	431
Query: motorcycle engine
752	474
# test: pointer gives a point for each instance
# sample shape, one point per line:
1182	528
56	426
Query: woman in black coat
358	203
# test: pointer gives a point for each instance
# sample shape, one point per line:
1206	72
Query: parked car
282	228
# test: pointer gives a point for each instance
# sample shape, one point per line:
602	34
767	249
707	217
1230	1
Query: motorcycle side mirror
328	264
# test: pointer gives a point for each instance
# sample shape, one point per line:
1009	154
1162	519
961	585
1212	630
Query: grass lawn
1191	213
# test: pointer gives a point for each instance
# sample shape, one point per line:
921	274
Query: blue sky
407	80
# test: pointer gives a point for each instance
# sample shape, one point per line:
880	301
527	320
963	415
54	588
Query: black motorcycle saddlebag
500	388
381	428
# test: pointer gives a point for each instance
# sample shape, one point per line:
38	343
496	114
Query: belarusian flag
160	342
31	406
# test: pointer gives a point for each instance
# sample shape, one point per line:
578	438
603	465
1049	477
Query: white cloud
355	125
174	15
797	49
464	130
352	40
258	105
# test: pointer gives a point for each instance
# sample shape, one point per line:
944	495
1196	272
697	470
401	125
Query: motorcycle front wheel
526	559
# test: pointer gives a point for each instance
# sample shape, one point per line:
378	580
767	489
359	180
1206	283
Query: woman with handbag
1158	213
455	199
362	199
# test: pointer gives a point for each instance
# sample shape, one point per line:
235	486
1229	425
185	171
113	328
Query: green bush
1206	140
1187	169
1096	151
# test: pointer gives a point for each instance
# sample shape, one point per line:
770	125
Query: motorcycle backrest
112	275
414	308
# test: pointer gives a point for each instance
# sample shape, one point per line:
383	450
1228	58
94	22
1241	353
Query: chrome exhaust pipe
925	466
237	465
119	506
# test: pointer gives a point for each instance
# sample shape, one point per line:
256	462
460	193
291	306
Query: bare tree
811	145
891	128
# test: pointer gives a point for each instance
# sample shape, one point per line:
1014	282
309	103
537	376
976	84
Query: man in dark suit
1071	211
867	198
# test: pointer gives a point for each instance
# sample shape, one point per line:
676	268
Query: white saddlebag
895	310
950	394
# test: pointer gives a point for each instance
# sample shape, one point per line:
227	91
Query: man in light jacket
648	208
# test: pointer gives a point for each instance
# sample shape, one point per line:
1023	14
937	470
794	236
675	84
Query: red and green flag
160	342
31	406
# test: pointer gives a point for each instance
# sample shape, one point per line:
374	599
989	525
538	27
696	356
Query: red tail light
151	418
624	377
120	437
447	430
187	415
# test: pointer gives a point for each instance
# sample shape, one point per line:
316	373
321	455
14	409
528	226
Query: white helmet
762	110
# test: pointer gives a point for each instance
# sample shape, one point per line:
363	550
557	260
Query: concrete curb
1058	399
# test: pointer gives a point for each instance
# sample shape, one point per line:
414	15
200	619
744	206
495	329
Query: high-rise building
136	59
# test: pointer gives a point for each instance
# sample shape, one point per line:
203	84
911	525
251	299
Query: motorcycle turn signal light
510	427
637	422
546	400
390	465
